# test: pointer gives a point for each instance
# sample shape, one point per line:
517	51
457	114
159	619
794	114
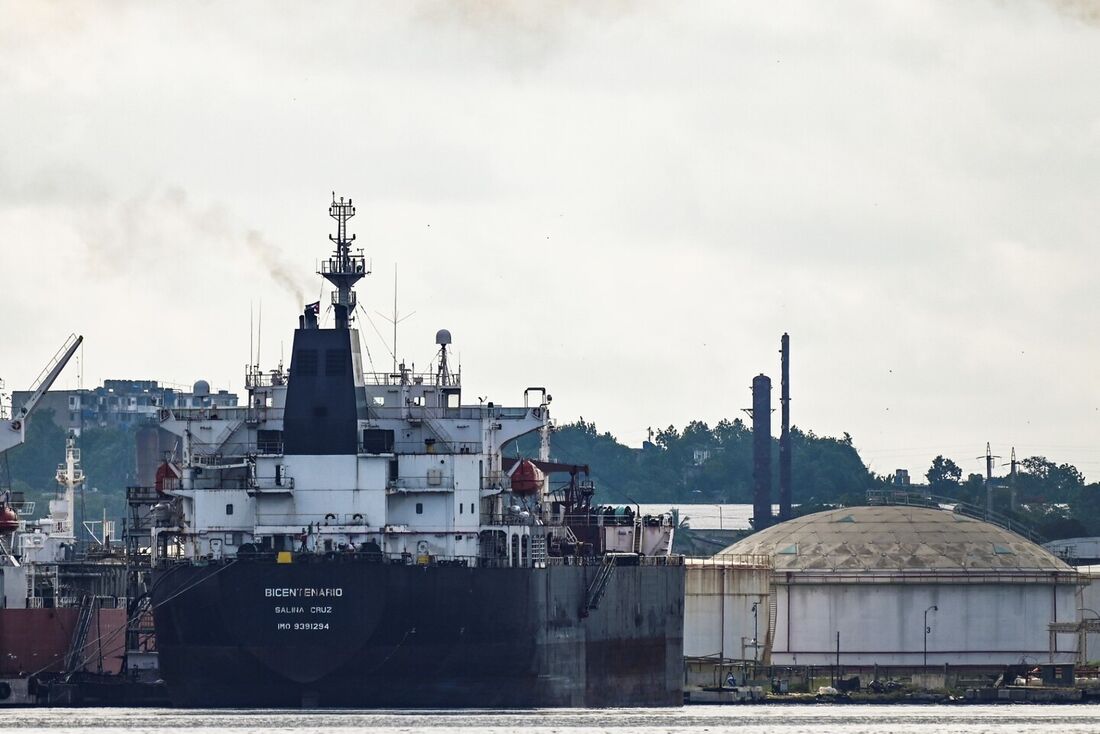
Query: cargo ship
353	538
63	603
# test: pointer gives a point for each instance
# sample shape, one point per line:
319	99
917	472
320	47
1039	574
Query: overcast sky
627	202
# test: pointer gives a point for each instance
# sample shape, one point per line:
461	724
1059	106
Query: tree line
696	464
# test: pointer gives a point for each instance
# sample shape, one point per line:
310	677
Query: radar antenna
343	268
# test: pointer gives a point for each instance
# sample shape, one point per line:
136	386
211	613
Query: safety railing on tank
726	560
920	499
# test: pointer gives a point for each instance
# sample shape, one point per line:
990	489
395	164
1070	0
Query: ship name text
305	592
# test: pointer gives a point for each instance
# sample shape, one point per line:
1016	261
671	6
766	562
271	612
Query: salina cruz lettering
303	592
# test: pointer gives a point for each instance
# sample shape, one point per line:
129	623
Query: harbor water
788	719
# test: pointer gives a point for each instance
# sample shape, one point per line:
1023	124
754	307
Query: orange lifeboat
527	478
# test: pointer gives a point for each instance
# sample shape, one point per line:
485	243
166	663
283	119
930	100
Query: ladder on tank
769	641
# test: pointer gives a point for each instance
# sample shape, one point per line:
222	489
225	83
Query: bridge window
229	509
419	508
377	441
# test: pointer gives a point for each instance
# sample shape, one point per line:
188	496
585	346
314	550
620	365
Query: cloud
627	202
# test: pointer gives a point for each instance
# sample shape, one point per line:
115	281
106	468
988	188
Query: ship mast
343	268
70	476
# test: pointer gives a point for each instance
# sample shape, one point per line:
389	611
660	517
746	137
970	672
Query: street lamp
927	629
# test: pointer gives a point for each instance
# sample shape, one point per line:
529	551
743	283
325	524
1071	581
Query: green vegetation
107	456
1051	498
703	464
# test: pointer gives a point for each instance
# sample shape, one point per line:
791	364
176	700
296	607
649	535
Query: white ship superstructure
327	458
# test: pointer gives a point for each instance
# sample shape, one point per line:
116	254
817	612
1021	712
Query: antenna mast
343	268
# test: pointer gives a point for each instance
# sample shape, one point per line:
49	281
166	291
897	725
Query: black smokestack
761	451
785	430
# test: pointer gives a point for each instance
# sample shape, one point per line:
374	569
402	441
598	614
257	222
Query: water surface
786	719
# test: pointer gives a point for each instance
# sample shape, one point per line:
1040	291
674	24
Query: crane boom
14	432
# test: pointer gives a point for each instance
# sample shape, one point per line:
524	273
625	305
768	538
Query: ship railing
412	379
277	483
244	413
259	378
425	447
233	453
138	494
350	264
467	412
23	509
412	559
316	519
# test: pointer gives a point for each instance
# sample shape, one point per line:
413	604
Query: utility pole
989	457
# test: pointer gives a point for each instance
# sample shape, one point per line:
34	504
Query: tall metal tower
785	429
761	452
343	269
989	457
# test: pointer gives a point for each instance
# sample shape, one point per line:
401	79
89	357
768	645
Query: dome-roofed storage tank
874	574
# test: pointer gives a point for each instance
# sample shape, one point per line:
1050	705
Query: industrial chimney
785	429
761	452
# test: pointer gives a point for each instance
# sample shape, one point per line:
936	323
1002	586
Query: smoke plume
279	270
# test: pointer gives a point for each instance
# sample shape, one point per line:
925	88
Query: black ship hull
352	632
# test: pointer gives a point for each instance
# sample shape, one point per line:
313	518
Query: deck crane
14	431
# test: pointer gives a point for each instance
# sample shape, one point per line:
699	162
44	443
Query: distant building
123	402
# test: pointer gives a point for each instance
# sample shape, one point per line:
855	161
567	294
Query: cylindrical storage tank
718	607
873	575
1088	608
